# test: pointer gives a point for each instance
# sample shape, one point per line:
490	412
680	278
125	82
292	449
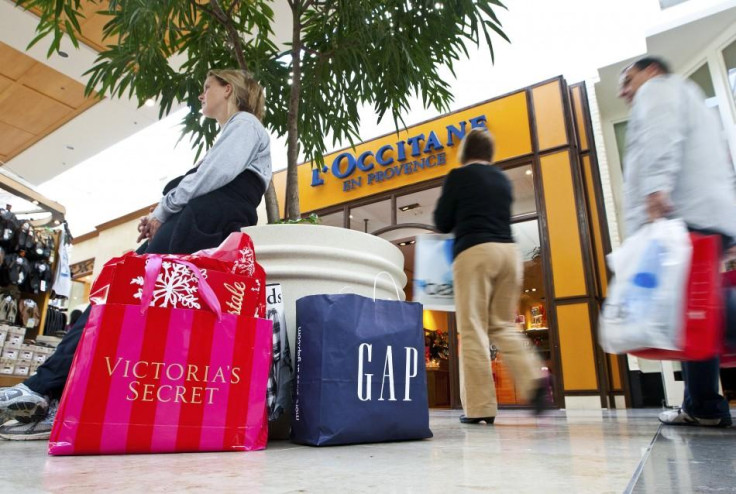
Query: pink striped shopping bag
156	380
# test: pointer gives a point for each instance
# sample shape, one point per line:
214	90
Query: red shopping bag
728	358
237	280
176	286
702	333
147	379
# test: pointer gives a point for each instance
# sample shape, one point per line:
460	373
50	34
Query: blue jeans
701	390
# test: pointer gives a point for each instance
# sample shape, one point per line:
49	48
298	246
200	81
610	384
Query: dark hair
477	145
646	62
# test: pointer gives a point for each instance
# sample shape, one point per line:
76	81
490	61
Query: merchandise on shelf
19	358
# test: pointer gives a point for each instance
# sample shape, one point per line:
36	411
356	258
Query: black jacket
207	220
476	206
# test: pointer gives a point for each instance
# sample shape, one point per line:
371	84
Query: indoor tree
341	55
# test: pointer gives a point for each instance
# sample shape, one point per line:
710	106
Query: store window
417	207
333	219
729	58
702	78
531	316
371	217
522	180
619	130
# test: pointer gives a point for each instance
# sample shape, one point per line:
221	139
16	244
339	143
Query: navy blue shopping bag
360	373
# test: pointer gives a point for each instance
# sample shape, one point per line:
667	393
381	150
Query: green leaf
374	53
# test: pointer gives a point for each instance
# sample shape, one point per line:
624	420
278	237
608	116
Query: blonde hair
249	95
477	145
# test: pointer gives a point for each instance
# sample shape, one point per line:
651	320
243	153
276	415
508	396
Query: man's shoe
32	431
476	420
681	417
22	404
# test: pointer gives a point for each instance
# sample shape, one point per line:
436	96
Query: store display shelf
7	381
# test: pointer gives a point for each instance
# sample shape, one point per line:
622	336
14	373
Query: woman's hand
153	226
143	229
148	227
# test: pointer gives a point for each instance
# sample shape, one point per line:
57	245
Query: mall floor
573	451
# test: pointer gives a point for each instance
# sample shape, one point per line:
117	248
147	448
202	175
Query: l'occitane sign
420	153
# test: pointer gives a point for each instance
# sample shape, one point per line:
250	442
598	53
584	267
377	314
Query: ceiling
35	100
679	45
47	125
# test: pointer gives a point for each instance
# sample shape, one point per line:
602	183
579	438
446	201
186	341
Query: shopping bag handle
153	268
396	287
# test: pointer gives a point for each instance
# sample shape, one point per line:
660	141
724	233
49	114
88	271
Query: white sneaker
32	431
22	404
681	417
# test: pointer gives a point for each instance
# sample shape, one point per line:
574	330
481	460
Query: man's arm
658	108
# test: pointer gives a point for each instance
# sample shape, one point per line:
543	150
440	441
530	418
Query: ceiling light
70	148
35	202
409	206
150	102
528	172
63	54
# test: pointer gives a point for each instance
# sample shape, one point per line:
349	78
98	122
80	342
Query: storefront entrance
388	186
400	216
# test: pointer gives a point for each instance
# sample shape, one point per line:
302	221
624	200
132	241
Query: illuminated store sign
411	155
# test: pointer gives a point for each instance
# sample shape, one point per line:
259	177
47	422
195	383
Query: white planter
313	259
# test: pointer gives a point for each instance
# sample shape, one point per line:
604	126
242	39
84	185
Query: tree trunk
292	136
272	204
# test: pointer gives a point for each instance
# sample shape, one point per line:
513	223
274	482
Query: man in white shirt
677	165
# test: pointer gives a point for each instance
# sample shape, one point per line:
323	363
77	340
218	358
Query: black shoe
540	401
476	420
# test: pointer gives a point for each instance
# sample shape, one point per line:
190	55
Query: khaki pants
487	280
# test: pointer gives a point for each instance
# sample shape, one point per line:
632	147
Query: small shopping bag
360	371
433	282
281	377
147	379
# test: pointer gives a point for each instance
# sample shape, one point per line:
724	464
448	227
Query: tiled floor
573	451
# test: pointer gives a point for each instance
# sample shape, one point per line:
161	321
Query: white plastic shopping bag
433	285
646	299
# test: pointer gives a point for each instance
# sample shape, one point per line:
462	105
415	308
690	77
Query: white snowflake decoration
246	264
175	286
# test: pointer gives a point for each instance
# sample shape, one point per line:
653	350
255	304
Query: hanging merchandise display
28	256
63	280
